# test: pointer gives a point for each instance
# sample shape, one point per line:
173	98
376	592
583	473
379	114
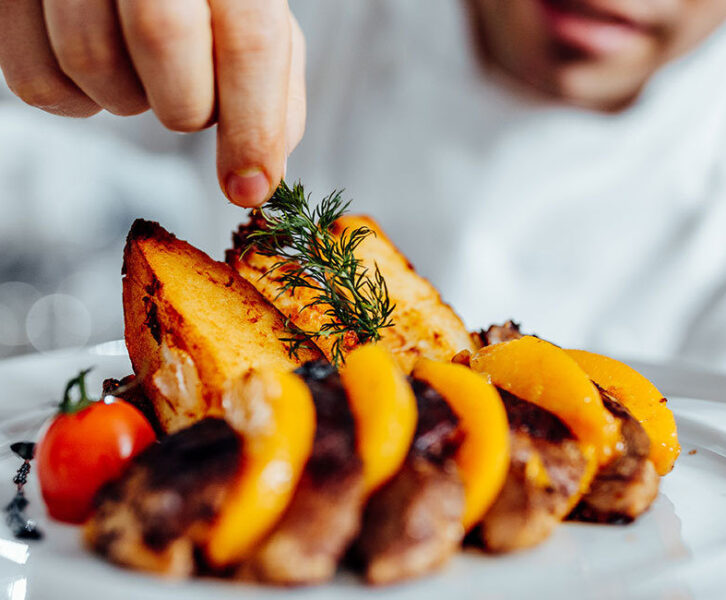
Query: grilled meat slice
156	514
325	513
497	334
625	488
129	390
545	471
413	523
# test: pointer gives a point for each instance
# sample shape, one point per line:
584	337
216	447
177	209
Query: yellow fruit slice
641	398
541	373
275	414
483	457
384	408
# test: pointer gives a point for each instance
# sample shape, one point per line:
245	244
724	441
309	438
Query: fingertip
248	187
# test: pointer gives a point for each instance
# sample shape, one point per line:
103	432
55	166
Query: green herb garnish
70	405
309	256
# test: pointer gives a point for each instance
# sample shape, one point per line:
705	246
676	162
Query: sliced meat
325	513
545	471
129	389
159	512
497	334
413	523
625	488
156	514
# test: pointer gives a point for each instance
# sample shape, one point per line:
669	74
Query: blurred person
558	161
594	53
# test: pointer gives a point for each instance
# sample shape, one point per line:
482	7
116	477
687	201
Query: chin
598	87
606	78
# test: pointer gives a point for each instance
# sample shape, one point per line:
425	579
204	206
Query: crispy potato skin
424	324
253	268
176	297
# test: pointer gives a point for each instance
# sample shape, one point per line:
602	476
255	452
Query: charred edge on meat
172	490
129	390
438	435
240	238
533	420
626	487
325	513
334	447
497	334
528	508
413	523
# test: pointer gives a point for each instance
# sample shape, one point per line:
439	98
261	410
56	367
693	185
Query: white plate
676	550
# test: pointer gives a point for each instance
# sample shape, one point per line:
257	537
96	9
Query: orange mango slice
275	414
384	408
541	373
483	457
641	398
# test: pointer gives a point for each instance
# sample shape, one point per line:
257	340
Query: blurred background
530	169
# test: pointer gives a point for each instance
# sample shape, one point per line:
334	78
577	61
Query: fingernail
248	187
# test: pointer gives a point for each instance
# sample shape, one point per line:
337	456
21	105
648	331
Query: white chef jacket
598	231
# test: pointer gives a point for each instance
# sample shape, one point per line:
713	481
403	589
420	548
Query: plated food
342	414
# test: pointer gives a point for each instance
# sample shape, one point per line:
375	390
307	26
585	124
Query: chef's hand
237	62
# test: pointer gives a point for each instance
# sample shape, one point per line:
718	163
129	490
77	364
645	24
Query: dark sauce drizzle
22	527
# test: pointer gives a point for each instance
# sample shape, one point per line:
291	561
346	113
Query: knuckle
87	55
185	119
51	94
41	91
129	109
158	27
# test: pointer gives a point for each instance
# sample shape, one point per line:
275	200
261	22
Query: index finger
252	43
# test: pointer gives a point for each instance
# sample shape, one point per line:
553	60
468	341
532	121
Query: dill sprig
354	299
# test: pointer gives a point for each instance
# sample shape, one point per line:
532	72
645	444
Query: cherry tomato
83	448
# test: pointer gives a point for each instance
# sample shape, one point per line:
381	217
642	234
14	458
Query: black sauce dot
22	527
24	450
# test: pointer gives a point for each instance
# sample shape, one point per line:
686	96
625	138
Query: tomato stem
70	405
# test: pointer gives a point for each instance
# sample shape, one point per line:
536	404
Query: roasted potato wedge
192	324
424	326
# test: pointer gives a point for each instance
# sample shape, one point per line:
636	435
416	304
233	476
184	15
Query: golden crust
253	267
179	302
424	324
